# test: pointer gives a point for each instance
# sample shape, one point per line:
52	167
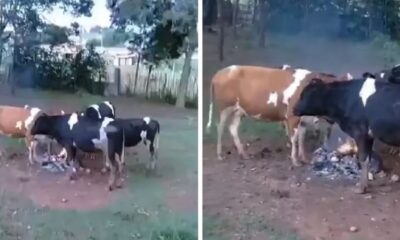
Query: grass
140	212
219	229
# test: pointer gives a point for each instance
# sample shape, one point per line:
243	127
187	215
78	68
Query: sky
100	16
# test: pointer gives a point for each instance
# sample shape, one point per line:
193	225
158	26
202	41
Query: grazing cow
267	94
365	109
73	131
17	122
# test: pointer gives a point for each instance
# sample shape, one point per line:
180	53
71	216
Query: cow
74	131
17	122
267	94
136	130
44	138
366	109
144	130
100	110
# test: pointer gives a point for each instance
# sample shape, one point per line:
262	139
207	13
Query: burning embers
337	159
334	165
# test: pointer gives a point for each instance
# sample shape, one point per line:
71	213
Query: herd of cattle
94	129
366	108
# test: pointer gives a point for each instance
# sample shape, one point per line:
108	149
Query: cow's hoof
297	163
244	156
88	171
110	188
72	177
118	185
220	158
360	190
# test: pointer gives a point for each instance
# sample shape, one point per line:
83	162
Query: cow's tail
123	148
210	109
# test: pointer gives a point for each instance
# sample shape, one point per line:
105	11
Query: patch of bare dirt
55	190
293	199
248	199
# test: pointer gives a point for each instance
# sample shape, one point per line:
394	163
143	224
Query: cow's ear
316	81
368	75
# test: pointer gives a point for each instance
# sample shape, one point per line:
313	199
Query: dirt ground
173	188
264	197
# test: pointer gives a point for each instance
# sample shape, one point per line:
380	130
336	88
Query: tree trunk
148	81
184	81
13	69
235	18
136	73
221	30
263	19
254	17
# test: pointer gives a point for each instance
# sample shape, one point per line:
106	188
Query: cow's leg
153	149
301	133
233	128
114	157
364	144
31	144
293	125
222	119
286	127
74	164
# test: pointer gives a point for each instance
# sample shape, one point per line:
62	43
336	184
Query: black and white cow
100	110
366	109
391	75
74	131
144	130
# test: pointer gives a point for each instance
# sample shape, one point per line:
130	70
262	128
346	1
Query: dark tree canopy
157	29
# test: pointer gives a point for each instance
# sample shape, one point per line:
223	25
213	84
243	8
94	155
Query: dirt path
252	197
265	198
54	190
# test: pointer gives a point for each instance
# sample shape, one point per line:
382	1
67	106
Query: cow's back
13	120
257	90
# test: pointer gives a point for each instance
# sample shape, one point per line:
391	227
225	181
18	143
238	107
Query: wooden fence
163	79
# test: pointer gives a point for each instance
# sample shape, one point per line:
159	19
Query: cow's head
311	99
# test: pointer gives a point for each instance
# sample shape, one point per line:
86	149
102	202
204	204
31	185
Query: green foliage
355	19
94	42
51	70
55	35
160	30
112	37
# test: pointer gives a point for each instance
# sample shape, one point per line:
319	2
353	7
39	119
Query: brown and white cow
16	122
267	94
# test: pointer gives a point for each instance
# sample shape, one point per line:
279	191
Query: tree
24	16
55	35
160	31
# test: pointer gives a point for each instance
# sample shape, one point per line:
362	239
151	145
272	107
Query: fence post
117	79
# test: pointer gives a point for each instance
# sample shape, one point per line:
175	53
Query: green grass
141	212
219	229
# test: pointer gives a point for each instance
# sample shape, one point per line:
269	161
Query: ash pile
336	159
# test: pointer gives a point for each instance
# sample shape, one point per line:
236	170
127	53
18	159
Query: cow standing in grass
266	94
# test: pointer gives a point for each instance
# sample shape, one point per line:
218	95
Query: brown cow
16	122
267	94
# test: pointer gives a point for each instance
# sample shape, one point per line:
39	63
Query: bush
51	70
